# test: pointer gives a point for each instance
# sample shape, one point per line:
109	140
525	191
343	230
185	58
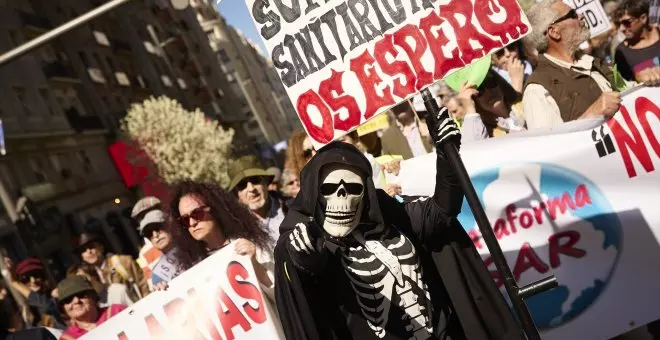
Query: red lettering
511	26
201	314
230	316
153	326
627	143
381	50
527	259
538	213
238	276
325	132
511	217
178	314
556	246
526	219
644	106
582	196
476	238
430	25
331	91
415	53
369	79
467	32
555	203
500	229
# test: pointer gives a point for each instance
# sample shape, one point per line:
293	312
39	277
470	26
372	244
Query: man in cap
112	269
249	182
152	227
149	255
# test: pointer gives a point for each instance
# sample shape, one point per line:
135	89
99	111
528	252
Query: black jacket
315	299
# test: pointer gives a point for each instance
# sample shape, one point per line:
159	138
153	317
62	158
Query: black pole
516	294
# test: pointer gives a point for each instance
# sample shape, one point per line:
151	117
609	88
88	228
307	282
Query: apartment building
61	104
271	116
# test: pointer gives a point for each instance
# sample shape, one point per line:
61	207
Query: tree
182	144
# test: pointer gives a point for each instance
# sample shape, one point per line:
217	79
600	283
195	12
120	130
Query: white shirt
540	109
414	139
473	128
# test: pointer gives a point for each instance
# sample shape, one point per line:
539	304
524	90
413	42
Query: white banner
594	15
344	61
584	206
219	298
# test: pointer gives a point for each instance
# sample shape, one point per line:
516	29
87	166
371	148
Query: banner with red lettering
582	205
344	61
219	298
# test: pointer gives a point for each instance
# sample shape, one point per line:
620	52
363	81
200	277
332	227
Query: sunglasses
351	188
256	180
199	214
25	278
626	22
149	231
292	182
572	14
80	296
307	153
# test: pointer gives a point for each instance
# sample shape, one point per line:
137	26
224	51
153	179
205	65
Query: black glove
443	129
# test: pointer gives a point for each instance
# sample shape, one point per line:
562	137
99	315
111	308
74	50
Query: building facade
271	116
61	105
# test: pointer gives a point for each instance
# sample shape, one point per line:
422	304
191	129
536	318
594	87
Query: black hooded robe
315	299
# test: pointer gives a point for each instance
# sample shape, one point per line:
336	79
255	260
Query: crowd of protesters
555	75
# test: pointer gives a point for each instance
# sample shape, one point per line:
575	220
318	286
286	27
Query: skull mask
341	192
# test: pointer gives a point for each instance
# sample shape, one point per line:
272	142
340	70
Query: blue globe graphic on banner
549	220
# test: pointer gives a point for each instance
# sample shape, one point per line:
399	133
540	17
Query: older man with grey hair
566	84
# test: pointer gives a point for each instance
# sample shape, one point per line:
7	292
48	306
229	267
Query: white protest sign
219	298
344	61
581	205
594	15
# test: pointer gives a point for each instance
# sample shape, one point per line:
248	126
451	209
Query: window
21	96
224	56
221	93
45	97
182	84
84	58
150	47
101	38
166	80
86	162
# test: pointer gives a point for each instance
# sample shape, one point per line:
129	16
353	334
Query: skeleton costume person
354	263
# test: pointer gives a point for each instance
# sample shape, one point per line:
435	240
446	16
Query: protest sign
379	122
344	61
594	15
219	298
581	205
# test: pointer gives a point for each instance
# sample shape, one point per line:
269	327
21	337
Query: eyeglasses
199	214
255	180
292	182
627	22
307	153
351	188
572	14
80	296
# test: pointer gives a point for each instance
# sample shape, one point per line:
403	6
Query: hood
307	204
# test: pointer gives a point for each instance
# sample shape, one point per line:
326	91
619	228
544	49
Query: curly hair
295	158
235	220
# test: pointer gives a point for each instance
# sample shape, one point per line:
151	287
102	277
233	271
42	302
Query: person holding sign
354	263
566	85
152	227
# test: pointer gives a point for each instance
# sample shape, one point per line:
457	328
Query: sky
237	15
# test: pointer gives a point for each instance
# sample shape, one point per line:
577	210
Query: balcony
58	71
83	123
35	22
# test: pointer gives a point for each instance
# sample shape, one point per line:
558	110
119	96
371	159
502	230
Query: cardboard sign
378	123
344	61
582	205
594	14
219	298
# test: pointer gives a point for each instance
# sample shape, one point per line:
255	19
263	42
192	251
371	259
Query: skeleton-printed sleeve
304	250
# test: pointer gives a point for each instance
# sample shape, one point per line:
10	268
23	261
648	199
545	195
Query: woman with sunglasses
299	151
78	300
209	219
30	281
